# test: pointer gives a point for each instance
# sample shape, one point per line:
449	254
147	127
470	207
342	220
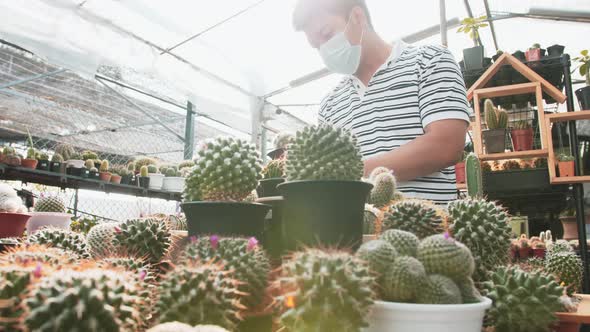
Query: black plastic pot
328	213
85	173
43	165
55	166
583	95
473	58
494	140
261	323
522	180
487	62
273	234
555	50
97	165
520	55
268	187
94	175
496	56
225	218
74	171
144	181
126	179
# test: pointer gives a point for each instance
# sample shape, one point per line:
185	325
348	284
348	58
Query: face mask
339	55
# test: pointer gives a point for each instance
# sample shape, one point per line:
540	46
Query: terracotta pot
523	253
12	160
539	252
533	54
570	227
115	178
494	140
105	176
13	224
29	163
2	158
460	172
522	139
566	168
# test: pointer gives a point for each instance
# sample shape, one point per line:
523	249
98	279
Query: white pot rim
173	177
485	304
155	175
52	214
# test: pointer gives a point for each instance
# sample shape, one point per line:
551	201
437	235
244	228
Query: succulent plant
197	293
9	200
50	204
370	217
510	165
440	289
65	151
147	238
243	257
567	268
57	158
469	292
153	169
441	254
325	291
14	281
29	253
383	191
131	166
43	156
88	300
83	225
104	166
89	164
404	242
133	264
143	162
473	175
274	169
61	238
495	118
171	172
404	279
324	153
483	227
522	301
380	255
559	246
89	155
93	170
177	222
186	164
565	157
143	171
419	218
227	169
541	163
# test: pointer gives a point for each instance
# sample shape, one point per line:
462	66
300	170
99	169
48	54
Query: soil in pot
473	58
116	179
494	140
329	213
522	139
144	181
43	165
29	163
55	167
460	172
13	224
566	168
105	176
173	184
225	218
583	95
268	187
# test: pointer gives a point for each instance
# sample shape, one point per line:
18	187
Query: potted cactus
227	170
104	174
56	160
13	216
156	178
539	249
130	178
583	94
533	53
49	211
494	136
31	160
273	174
173	179
460	170
89	155
144	179
10	157
324	195
75	165
566	165
42	161
522	136
143	162
524	248
117	173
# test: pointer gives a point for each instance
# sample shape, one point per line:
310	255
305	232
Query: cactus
244	257
171	172
50	204
89	155
65	150
495	118
147	238
325	291
441	254
177	222
61	238
440	289
404	279
417	217
131	167
143	172
35	253
405	243
186	164
473	174
14	281
469	293
227	169
57	158
383	190
152	169
511	165
567	268
137	266
89	164
104	166
274	169
43	156
522	301
100	239
324	153
199	294
559	246
9	200
143	162
371	214
483	227
380	255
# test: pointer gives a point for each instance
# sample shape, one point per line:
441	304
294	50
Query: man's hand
441	146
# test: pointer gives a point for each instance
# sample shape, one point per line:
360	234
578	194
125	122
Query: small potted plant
43	161
143	162
568	220
460	170
173	180
273	174
144	179
473	57
89	155
522	136
539	249
56	161
49	211
75	165
156	178
117	173
13	216
104	174
583	94
495	135
130	178
533	53
186	164
12	158
93	173
566	165
31	160
523	247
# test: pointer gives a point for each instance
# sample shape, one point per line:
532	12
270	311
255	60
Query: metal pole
443	24
76	204
189	132
263	143
578	188
32	78
256	108
491	23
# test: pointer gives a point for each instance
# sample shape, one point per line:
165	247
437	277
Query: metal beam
443	23
189	132
491	23
31	78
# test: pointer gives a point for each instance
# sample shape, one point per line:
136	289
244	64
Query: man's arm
441	146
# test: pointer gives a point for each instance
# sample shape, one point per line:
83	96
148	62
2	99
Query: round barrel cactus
417	217
148	238
61	238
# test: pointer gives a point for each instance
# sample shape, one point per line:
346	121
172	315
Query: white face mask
339	55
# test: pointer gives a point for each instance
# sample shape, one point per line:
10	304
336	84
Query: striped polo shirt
416	86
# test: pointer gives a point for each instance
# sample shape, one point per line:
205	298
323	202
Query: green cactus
380	255
441	254
419	218
522	301
325	291
153	169
14	281
440	289
177	222
404	279
244	257
377	171
405	243
57	158
104	166
50	204
186	164
473	175
61	238
199	294
30	253
274	169
93	170
324	153
43	156
131	166
100	239
65	150
227	169
483	227
559	246
369	219
469	292
147	238
136	265
171	172
89	155
567	267
143	162
383	191
143	172
89	164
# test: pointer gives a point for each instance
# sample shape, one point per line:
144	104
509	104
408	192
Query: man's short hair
305	9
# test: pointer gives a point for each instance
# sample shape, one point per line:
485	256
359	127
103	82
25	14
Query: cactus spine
473	176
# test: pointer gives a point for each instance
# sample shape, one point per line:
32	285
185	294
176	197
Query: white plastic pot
410	317
75	163
173	184
156	181
45	219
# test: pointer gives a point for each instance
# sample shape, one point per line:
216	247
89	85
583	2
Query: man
406	105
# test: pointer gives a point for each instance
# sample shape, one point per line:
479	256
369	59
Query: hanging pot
583	95
566	168
522	139
473	58
460	172
268	187
494	140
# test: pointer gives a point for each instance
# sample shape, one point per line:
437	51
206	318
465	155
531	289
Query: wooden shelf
582	316
568	116
507	90
570	179
514	155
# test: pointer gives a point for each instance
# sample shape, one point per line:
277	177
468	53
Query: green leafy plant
471	26
584	68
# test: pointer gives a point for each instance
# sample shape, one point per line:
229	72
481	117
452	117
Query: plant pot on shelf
411	317
85	173
487	62
225	218
327	212
52	219
473	58
519	55
522	180
522	139
566	168
76	163
55	166
93	175
460	172
268	187
583	95
43	165
494	140
523	253
539	252
126	179
13	224
555	50
173	184
533	54
156	181
29	163
570	227
115	178
144	181
105	176
74	171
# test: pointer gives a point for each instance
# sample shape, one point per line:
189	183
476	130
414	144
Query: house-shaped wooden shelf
537	86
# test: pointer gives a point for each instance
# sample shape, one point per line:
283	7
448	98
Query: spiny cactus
88	300
14	281
483	227
57	158
473	174
186	164
25	254
89	155
419	218
227	169
147	238
567	268
370	217
177	222
495	118
441	254
143	171
129	263
559	246
404	279
197	293
380	255
9	200
469	292
383	191
50	204
274	169
324	153
104	166
139	163
89	163
65	150
405	243
153	169
522	301
100	239
325	291
172	327
83	225
243	257
440	289
61	238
